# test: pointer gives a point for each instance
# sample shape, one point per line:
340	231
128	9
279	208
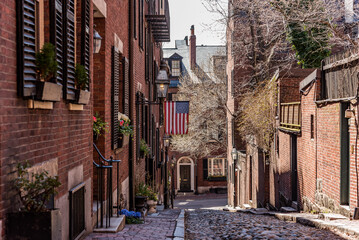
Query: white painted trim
101	7
179	174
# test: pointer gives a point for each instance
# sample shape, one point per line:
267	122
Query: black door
293	165
185	172
344	155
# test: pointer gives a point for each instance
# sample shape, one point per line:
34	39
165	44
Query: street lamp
162	81
173	164
166	143
96	41
234	154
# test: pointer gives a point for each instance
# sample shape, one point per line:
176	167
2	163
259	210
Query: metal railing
102	166
290	117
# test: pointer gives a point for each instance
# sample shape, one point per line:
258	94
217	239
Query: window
217	167
176	70
312	126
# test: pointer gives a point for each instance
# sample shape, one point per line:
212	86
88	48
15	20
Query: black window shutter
69	49
85	36
115	95
205	168
140	23
26	48
56	36
147	70
126	86
153	134
158	146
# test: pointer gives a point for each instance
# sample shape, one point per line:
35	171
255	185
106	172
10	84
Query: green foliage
81	77
145	190
144	147
311	45
133	220
124	127
34	191
99	126
46	63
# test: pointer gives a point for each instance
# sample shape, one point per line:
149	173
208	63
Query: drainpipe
131	145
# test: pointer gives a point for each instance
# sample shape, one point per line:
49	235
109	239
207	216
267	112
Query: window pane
216	167
176	70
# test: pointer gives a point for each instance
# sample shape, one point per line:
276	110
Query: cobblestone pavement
155	227
214	224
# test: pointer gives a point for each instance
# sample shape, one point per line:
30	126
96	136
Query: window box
217	178
123	140
82	96
48	91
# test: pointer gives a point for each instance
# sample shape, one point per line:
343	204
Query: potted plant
34	220
125	129
82	83
144	149
99	126
46	66
142	191
152	201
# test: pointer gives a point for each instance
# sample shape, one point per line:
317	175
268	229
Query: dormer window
176	68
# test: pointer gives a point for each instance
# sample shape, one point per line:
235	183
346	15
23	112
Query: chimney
192	49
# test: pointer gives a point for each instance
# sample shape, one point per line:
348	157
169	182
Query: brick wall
36	135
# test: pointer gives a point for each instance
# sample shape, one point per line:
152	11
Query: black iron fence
104	202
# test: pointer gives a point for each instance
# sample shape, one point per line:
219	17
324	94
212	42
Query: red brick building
55	134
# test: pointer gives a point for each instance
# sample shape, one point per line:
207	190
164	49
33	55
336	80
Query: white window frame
176	73
210	166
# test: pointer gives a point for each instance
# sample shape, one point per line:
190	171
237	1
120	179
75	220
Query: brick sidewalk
156	228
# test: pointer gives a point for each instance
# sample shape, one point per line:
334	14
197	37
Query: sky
185	13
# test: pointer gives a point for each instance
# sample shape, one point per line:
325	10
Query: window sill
217	179
33	104
76	107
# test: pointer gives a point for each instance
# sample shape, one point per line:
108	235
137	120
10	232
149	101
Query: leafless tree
207	116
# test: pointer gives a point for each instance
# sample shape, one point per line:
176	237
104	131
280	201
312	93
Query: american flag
176	117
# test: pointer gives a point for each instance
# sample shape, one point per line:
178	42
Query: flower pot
140	202
82	96
123	140
152	206
34	225
48	91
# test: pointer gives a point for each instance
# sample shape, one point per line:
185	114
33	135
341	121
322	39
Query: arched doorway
185	173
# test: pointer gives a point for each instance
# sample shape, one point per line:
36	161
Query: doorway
185	173
344	156
185	176
293	166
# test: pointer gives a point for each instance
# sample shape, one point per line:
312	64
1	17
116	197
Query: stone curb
318	223
179	230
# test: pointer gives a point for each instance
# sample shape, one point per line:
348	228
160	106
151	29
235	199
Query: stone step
287	209
259	211
117	224
247	206
294	205
331	216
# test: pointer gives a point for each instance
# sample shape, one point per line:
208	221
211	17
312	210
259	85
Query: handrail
103	158
101	166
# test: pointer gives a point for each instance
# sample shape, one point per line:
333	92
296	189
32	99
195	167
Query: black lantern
162	81
96	41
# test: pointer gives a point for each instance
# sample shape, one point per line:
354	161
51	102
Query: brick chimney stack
192	49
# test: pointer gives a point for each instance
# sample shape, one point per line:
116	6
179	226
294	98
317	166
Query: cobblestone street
214	224
205	219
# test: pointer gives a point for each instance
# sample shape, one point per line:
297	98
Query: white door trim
179	164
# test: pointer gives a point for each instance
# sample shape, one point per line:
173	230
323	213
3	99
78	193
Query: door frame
181	162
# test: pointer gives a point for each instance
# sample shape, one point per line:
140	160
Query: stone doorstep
287	209
332	216
117	224
247	206
259	211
